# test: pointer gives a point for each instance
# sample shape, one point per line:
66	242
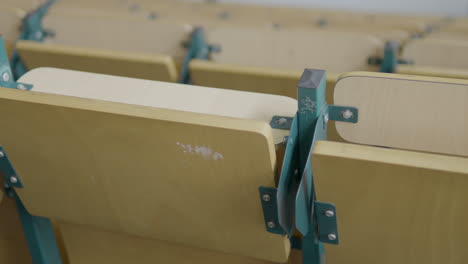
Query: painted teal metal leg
390	59
6	76
40	236
197	49
31	29
311	99
312	250
38	231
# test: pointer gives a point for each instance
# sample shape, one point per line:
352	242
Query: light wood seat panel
437	53
433	71
128	64
393	206
408	112
160	174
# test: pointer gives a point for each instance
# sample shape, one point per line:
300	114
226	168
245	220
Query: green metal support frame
38	231
295	205
390	60
31	29
6	76
197	48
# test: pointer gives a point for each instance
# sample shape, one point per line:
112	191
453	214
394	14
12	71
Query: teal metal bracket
38	231
31	29
297	207
197	48
270	210
390	60
343	113
6	75
281	122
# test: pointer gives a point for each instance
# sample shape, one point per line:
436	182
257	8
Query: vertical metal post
197	49
390	59
38	231
311	99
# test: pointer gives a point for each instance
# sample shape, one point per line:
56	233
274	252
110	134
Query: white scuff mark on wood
202	151
308	105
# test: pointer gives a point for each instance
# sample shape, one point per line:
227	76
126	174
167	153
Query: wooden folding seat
182	139
118	45
436	57
274	59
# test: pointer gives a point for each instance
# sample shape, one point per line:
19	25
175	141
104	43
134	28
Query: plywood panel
118	33
409	112
87	245
256	79
433	71
294	50
197	99
437	53
393	206
143	171
128	64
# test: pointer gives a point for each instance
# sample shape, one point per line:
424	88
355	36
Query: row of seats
141	170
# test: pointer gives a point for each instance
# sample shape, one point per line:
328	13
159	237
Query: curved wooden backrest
124	34
333	51
26	5
128	64
408	112
432	71
437	52
112	161
393	206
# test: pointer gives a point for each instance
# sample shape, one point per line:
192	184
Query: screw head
6	76
347	114
2	154
152	16
281	121
21	86
329	213
266	197
271	224
38	35
331	237
13	179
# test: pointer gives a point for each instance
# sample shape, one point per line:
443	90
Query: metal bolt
2	154
6	76
331	237
152	15
38	35
266	197
329	213
347	114
21	86
281	121
271	224
13	179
